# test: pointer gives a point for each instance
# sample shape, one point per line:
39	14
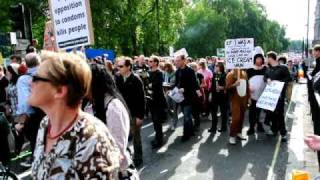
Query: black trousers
219	101
31	129
196	110
277	118
156	115
254	114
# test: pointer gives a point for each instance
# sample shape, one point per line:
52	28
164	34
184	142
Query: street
207	156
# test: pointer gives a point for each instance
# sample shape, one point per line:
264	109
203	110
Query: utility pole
307	43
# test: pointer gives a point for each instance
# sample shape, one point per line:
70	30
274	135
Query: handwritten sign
239	53
270	96
72	23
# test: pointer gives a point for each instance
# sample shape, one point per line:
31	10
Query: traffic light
18	20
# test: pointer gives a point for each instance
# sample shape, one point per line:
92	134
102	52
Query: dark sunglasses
121	66
36	78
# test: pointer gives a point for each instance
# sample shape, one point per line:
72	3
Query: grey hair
32	60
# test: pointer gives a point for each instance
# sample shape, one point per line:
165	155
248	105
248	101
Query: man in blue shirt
29	118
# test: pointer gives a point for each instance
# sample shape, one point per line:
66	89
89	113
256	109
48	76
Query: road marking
276	151
24	174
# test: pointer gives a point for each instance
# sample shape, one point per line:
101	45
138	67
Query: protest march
153	90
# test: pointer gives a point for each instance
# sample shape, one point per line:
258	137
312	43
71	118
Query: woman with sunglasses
71	144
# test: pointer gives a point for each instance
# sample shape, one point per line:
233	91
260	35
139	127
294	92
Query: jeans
187	120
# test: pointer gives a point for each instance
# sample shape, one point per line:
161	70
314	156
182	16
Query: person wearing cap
256	86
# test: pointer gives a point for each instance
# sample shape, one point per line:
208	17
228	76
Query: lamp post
307	43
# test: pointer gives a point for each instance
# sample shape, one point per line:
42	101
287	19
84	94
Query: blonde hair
67	69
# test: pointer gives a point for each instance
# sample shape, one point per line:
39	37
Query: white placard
176	95
72	23
180	52
13	38
257	86
239	53
270	96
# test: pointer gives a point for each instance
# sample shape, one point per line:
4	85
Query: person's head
12	73
168	67
316	51
109	66
272	58
219	67
194	66
31	49
153	62
141	60
23	69
102	84
62	81
290	63
32	60
258	60
203	64
180	61
15	59
282	60
124	65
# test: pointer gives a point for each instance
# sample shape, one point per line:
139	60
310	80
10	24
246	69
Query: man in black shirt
131	88
279	73
158	101
187	84
256	85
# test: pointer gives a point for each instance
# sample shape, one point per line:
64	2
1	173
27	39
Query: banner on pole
72	23
239	53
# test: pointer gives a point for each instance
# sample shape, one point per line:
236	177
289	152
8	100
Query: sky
293	15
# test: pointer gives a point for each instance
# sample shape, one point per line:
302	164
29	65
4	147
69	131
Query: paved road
207	157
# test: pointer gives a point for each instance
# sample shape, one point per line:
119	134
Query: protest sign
175	95
270	96
72	23
239	53
220	52
180	52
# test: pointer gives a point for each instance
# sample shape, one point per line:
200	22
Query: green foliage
131	27
229	19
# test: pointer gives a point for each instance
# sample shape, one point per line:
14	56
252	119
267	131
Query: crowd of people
80	115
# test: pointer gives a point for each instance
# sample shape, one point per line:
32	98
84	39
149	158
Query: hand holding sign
270	96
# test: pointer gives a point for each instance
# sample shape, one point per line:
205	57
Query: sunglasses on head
36	78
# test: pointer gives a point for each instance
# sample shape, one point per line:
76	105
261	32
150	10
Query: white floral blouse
86	151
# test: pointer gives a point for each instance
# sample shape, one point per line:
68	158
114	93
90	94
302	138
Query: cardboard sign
239	53
180	52
270	96
220	52
72	23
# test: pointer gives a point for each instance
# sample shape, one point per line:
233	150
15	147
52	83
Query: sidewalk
300	156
